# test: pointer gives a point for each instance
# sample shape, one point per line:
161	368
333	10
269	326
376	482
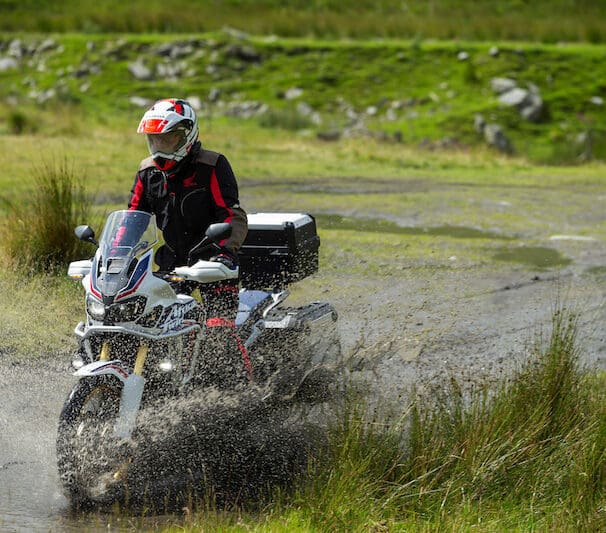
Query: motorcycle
144	338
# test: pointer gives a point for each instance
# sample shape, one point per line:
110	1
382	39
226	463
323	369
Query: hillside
542	102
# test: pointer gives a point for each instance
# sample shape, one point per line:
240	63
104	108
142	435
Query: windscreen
127	235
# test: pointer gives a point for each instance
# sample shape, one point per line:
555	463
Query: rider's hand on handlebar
226	259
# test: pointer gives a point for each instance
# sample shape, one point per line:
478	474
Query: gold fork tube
104	352
140	361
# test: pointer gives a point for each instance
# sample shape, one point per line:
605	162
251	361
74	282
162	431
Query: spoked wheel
91	464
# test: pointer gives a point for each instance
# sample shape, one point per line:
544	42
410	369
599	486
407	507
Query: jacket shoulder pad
208	157
146	163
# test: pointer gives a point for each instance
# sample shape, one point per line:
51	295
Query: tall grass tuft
529	453
38	232
519	443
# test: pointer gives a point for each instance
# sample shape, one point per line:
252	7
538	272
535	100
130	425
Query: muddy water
242	442
30	499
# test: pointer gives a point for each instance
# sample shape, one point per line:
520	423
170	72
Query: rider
188	188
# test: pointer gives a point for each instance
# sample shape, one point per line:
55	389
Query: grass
440	19
39	235
471	462
525	454
403	92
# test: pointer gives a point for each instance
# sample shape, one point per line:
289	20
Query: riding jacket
201	192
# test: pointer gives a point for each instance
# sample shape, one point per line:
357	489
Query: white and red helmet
171	129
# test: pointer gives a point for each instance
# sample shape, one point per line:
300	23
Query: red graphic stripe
227	288
219	322
219	200
137	195
245	358
122	295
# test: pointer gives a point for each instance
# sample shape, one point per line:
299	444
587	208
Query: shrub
19	122
39	234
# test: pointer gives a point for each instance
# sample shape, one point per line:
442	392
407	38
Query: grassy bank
410	93
440	19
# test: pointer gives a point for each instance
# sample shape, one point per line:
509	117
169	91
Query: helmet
171	129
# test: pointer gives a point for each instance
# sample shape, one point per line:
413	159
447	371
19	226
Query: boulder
502	85
8	63
495	137
140	71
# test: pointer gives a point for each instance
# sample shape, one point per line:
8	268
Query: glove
226	259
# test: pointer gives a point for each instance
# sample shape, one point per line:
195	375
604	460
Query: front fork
132	392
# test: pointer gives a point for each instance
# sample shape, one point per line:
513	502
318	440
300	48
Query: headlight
126	311
95	308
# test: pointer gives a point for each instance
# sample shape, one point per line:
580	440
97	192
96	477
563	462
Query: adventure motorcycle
143	340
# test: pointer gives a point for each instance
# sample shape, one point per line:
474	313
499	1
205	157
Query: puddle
537	256
383	226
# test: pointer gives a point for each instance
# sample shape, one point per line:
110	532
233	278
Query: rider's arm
224	189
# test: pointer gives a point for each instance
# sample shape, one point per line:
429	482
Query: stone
140	71
516	97
495	137
502	85
8	63
293	93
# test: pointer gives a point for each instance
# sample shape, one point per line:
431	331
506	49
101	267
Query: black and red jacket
201	192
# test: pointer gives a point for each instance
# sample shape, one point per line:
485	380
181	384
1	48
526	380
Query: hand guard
226	259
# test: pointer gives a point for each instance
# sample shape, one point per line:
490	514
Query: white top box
277	220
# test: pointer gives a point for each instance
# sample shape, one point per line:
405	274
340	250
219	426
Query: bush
19	122
40	234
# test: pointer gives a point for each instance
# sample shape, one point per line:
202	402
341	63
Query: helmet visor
166	144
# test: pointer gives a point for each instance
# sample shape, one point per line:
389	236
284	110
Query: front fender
130	398
100	368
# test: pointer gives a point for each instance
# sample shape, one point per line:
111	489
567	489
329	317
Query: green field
542	20
385	154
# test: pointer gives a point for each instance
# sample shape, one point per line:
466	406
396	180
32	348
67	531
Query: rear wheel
88	457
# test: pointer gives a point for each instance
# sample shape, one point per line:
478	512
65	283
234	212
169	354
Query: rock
293	93
8	63
195	102
479	123
16	49
462	56
534	109
516	97
139	101
46	46
234	33
140	71
596	100
495	137
494	51
502	85
244	53
331	135
213	94
245	109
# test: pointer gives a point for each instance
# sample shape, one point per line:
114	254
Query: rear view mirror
85	233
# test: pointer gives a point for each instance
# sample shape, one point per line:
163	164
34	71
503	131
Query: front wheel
88	457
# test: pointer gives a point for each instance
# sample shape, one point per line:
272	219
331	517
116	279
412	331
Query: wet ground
473	323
